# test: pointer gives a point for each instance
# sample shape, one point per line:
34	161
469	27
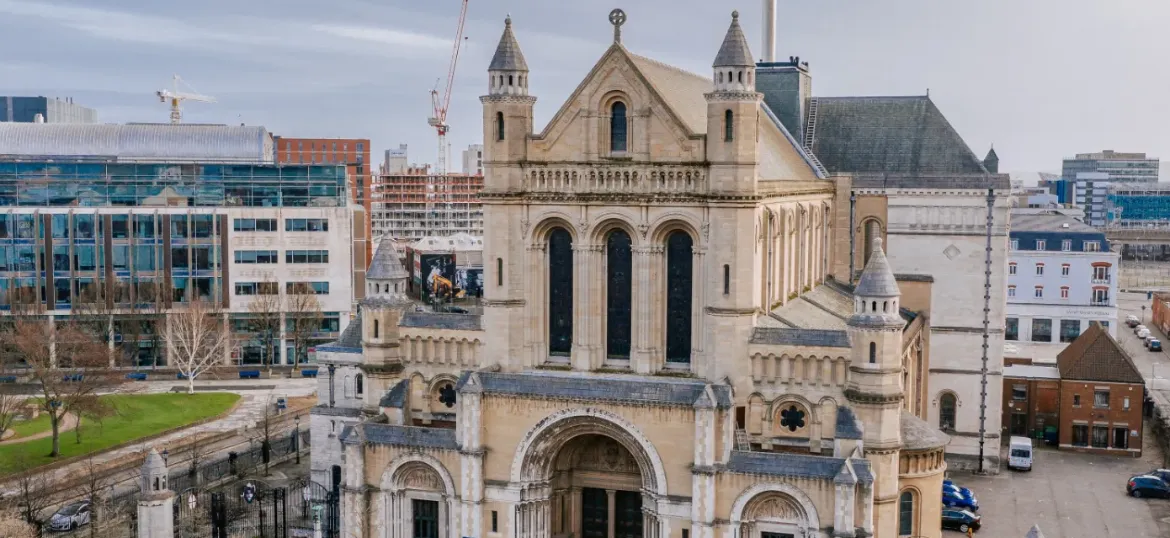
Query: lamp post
166	457
297	437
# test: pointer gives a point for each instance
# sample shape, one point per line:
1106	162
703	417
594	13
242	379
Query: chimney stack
769	30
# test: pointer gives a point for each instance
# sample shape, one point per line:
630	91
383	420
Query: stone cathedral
691	328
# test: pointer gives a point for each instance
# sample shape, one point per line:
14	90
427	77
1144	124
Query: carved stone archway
411	481
774	508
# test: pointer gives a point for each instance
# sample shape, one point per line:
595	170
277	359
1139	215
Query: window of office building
1065	269
1012	329
306	225
317	288
1070	329
1041	330
256	256
1039	269
1039	292
254	225
306	256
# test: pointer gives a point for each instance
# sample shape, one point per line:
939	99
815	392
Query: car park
960	520
70	516
948	483
1147	486
957	500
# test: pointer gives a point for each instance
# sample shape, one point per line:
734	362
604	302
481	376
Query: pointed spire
991	161
735	51
508	56
877	280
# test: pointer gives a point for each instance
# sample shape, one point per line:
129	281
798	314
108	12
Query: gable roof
894	135
681	90
1096	356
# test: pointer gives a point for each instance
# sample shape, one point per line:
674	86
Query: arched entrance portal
585	476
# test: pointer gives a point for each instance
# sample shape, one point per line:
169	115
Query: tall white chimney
769	30
39	118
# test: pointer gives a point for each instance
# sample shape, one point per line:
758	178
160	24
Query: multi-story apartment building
27	110
419	204
140	239
1061	277
1122	167
353	153
473	160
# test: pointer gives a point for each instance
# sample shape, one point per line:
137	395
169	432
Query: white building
473	160
1091	194
395	161
1061	276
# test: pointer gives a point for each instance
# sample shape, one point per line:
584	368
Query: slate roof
595	387
735	51
1034	532
396	396
682	90
799	337
350	340
335	411
917	434
1050	222
436	320
889	135
1096	356
141	142
795	465
411	436
847	426
508	56
877	280
387	263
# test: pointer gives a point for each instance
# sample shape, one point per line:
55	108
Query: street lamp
166	459
297	437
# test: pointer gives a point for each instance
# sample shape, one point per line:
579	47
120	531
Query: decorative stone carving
524	224
420	477
705	228
605	455
631	179
644	228
776	507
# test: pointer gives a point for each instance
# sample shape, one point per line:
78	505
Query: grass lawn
138	415
25	428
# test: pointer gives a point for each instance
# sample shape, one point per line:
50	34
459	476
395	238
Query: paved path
67	424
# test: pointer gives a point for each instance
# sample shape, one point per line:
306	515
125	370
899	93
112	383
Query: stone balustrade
624	179
800	370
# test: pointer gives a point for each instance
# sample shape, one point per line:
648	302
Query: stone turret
156	504
733	115
508	72
379	316
507	113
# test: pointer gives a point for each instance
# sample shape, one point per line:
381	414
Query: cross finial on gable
617	18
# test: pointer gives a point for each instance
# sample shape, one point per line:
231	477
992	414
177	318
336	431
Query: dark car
959	520
1164	474
1147	486
1154	344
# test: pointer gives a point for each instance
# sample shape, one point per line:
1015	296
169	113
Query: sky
1039	79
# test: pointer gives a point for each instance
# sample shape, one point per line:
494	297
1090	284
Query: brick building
1031	399
354	153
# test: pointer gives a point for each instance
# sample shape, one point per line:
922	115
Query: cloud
384	36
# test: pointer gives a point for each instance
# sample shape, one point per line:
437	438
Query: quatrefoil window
792	418
447	395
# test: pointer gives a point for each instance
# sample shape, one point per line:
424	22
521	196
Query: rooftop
138	142
794	465
598	387
1096	356
1027	221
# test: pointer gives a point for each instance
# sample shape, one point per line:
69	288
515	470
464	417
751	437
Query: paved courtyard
1070	495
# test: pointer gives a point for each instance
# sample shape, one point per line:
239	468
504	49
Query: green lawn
25	428
138	415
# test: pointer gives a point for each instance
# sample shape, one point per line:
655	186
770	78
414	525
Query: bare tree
68	364
96	486
304	318
94	409
93	312
33	493
11	406
198	339
264	320
265	430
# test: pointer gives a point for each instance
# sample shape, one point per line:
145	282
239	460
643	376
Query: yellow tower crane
175	96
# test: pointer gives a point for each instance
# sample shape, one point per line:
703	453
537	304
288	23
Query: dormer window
617	128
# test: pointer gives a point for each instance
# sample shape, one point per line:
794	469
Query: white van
1143	333
1020	453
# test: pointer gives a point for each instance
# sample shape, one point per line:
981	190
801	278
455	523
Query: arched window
358	384
375	328
560	292
511	80
740	77
906	514
946	412
618	268
678	297
617	127
872	230
728	126
499	125
872	353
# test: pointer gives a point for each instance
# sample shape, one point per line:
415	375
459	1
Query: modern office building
1090	192
473	160
1145	204
395	161
1061	277
54	110
1122	167
418	204
353	153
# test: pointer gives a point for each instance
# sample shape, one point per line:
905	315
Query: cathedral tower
875	387
733	115
507	125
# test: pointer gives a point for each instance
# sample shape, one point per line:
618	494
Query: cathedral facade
677	340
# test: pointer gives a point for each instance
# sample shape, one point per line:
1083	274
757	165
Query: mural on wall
435	273
469	281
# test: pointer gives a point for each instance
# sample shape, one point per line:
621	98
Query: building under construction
419	204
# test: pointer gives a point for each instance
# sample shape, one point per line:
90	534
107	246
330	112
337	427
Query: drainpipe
852	232
986	326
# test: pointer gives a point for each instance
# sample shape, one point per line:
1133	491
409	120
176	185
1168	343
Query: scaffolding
419	204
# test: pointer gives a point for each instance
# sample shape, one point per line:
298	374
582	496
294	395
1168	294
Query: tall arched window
678	297
375	328
728	126
499	271
946	412
618	268
499	125
872	353
906	514
560	292
617	127
358	384
872	230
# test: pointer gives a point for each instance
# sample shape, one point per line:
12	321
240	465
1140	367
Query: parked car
1143	333
966	492
957	500
70	516
1139	329
1164	474
1147	486
959	520
1154	344
1131	321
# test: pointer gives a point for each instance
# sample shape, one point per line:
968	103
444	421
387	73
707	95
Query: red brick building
354	153
1092	396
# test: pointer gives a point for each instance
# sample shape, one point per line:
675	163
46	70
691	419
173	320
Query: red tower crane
438	119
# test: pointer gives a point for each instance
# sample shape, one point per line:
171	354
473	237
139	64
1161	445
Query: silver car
70	516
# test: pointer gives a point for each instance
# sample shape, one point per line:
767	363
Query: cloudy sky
1039	79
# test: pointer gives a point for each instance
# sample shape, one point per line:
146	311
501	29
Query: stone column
699	289
641	312
575	511
538	304
611	512
867	508
843	520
